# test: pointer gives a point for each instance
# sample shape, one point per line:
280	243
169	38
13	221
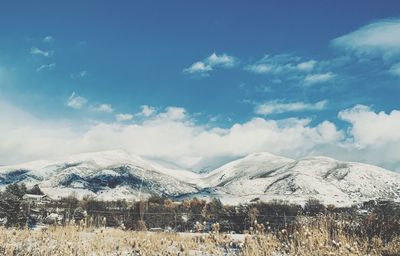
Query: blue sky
323	69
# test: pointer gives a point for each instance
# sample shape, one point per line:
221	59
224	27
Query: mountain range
112	175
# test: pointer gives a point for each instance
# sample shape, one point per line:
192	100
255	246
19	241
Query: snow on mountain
116	174
267	177
108	175
245	168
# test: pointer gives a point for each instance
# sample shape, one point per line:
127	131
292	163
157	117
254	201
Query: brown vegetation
309	238
84	227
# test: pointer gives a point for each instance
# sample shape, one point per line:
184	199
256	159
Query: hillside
111	175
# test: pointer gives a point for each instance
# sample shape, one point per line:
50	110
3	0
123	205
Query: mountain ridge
116	174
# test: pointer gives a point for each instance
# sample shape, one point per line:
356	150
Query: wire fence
183	213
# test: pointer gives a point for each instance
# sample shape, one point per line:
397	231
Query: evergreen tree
35	190
11	210
314	207
18	190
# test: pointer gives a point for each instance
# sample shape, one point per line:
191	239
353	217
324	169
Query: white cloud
273	64
372	137
75	101
50	66
259	68
107	108
168	136
370	128
378	41
48	39
147	110
123	117
281	64
223	60
210	63
198	67
174	113
307	65
378	38
318	78
276	107
37	51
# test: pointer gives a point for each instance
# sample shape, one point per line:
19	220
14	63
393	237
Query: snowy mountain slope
116	174
244	168
101	174
323	178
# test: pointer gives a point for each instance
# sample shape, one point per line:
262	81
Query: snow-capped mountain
116	174
108	175
266	177
244	168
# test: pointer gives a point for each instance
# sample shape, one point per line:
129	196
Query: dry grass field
305	240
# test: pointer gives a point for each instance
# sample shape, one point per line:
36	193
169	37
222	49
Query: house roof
32	196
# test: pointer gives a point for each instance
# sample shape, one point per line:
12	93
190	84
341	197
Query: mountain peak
117	174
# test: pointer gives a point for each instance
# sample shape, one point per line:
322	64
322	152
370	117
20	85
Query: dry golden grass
309	239
316	242
71	240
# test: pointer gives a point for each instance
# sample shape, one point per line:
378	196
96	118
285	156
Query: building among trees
36	199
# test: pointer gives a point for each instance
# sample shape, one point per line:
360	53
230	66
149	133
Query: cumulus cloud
37	51
210	63
107	108
123	117
198	67
147	110
75	101
370	128
50	66
378	38
168	136
371	137
312	79
222	60
27	137
174	113
277	107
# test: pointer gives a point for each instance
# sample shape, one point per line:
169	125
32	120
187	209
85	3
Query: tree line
195	215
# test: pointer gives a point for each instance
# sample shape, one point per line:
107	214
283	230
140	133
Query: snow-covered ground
112	175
